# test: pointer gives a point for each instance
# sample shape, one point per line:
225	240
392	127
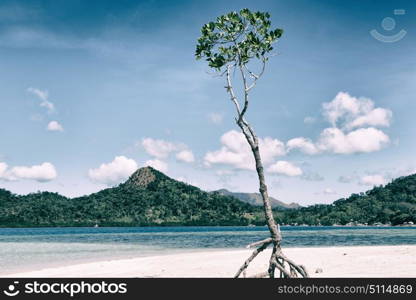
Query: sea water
28	248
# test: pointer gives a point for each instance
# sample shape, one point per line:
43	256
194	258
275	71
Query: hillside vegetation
150	198
393	204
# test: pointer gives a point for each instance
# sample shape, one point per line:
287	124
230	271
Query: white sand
369	261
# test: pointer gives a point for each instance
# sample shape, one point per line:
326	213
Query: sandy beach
368	261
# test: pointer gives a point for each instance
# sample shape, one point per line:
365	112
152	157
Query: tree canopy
236	38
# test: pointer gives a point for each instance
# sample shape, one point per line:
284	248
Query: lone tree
239	42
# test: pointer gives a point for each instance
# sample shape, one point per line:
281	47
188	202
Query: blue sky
90	90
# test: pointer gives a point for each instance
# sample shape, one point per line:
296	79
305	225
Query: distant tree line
393	204
167	202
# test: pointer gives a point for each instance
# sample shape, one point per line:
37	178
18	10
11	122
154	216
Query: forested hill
393	204
149	197
256	199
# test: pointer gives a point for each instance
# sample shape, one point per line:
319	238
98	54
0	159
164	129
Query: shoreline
336	261
214	226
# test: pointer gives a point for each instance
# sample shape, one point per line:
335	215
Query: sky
92	90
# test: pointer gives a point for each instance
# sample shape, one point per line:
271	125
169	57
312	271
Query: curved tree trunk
254	145
277	259
286	267
271	224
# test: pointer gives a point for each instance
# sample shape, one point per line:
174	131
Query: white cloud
234	141
345	106
185	156
43	96
355	112
114	172
158	148
376	117
161	149
334	140
373	180
361	140
285	168
48	105
354	122
303	144
239	160
3	169
54	126
157	164
42	173
237	153
270	149
215	118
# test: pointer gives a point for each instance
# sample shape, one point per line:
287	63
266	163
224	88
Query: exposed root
300	269
280	266
253	255
278	262
255	244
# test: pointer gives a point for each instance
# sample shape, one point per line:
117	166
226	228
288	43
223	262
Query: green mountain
394	203
256	200
149	198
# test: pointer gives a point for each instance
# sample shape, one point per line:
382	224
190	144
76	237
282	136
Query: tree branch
282	269
248	260
301	269
230	90
255	76
255	244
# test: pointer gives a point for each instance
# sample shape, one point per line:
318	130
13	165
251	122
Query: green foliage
165	202
162	202
395	203
237	37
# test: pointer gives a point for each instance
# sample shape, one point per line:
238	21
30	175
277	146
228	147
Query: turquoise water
25	248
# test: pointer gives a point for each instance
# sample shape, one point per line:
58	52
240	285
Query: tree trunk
254	144
277	259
